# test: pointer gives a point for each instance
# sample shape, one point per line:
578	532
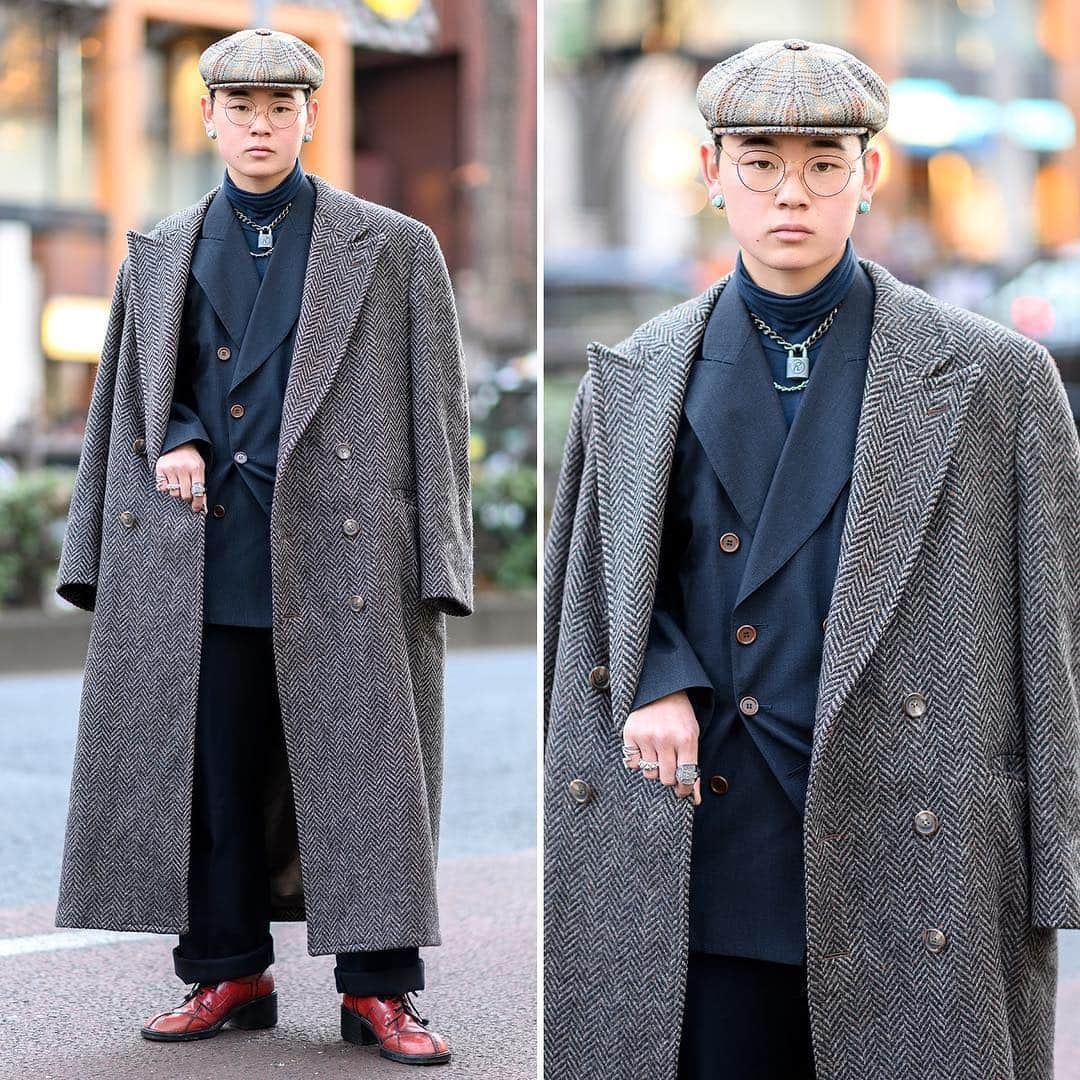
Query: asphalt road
74	1000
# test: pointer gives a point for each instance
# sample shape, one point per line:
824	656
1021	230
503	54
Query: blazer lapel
638	397
223	267
344	253
816	459
277	301
733	408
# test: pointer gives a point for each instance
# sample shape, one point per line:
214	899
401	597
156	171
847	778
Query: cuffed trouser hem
383	980
217	969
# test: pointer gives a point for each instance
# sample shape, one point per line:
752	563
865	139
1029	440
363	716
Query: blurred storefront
981	173
428	107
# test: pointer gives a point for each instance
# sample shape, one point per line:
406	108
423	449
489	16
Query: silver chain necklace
266	232
798	360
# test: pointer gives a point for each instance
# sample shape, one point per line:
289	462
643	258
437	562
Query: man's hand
181	466
665	731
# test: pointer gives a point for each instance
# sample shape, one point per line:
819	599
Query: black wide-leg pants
229	892
745	1020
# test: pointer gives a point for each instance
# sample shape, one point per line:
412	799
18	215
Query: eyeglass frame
785	162
278	101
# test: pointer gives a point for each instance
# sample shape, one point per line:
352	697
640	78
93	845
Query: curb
32	640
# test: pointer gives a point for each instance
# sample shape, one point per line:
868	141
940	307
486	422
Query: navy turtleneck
263	207
795	318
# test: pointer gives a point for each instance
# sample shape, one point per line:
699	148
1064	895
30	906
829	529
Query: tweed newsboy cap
793	85
261	57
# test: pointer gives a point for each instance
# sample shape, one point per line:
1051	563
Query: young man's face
781	261
260	169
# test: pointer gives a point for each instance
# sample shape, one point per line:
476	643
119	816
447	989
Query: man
812	564
261	726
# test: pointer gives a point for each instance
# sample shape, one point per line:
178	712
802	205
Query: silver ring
198	487
648	765
174	487
687	773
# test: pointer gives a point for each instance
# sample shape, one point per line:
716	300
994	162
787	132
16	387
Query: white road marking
67	939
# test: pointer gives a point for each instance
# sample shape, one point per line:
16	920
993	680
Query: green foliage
33	512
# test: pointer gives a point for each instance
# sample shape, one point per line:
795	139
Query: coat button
748	705
718	785
935	939
745	634
236	410
915	705
343	450
599	677
127	518
927	823
356	602
350	526
138	445
218	510
580	791
239	457
224	352
729	542
824	624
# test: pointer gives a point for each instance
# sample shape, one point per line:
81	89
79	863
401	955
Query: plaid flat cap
261	57
793	85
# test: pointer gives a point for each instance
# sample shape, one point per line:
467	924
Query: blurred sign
73	328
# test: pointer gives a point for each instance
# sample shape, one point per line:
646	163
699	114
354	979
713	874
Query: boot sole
356	1029
251	1016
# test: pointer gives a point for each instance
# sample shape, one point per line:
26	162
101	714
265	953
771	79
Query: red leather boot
249	1002
395	1025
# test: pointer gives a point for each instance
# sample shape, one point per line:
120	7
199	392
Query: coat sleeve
440	433
560	534
1048	493
670	660
77	574
184	423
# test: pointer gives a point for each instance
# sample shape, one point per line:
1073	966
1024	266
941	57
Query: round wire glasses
242	112
823	174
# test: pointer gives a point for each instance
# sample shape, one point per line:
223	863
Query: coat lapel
913	400
342	258
345	250
638	397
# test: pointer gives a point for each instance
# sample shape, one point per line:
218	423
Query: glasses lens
760	170
241	112
827	174
282	114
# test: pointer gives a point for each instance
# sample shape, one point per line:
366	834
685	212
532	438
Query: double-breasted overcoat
948	683
371	548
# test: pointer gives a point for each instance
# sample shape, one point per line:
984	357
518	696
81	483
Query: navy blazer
235	350
752	529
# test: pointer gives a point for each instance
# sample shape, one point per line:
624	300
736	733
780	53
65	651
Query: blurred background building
978	202
429	106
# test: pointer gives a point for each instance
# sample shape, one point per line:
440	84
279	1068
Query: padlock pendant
798	362
266	238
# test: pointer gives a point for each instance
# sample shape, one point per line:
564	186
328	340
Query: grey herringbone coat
958	579
377	364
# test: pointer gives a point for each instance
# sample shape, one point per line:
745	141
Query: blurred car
601	295
1043	302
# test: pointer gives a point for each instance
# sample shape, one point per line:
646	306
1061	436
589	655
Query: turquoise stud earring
864	207
718	201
